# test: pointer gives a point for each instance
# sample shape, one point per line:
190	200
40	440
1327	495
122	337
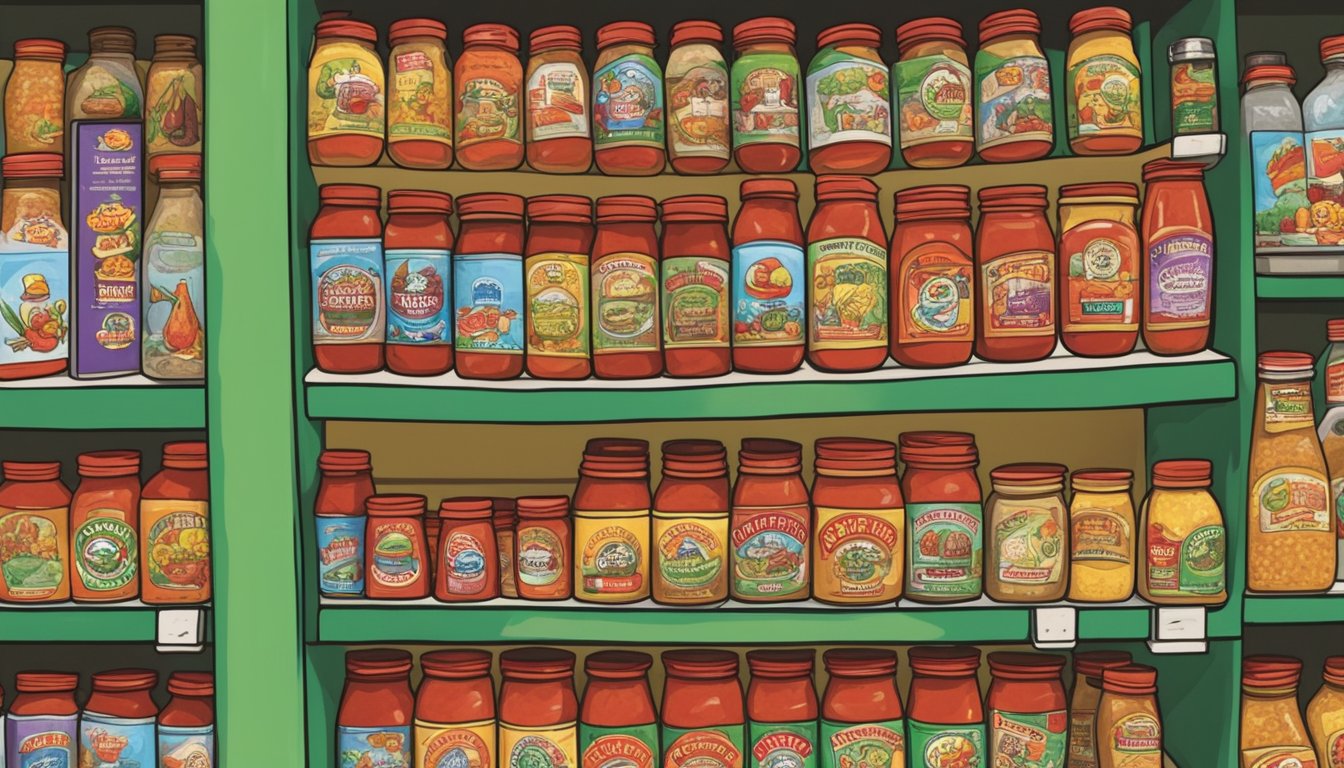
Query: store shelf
128	402
123	622
1300	287
1294	609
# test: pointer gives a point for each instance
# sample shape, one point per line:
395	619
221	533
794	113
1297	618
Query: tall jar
417	255
1099	268
346	125
617	723
559	289
1088	667
1325	714
861	715
847	267
696	304
1014	119
1129	726
1272	731
1194	86
396	556
699	138
43	719
1028	711
946	521
488	286
345	485
1331	431
104	524
1272	118
1184	544
35	524
542	548
455	709
946	720
782	707
420	95
702	713
119	718
1101	535
174	326
345	246
559	134
187	724
933	94
538	711
35	98
1323	120
771	525
107	86
1178	238
849	131
629	118
488	127
373	723
932	286
769	283
1104	100
34	267
466	562
627	331
858	548
1015	256
766	96
612	522
1028	559
690	524
174	98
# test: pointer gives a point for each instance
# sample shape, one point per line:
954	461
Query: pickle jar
35	98
933	282
932	83
771	525
420	95
1014	120
346	125
698	132
1028	554
695	286
847	267
769	279
628	110
766	96
1088	667
1016	285
858	549
174	103
559	133
488	121
1194	86
1101	535
690	524
848	102
1104	101
1272	730
1099	268
1184	546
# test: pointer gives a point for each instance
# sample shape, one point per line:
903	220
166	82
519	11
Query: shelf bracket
180	630
1054	628
1179	630
1206	148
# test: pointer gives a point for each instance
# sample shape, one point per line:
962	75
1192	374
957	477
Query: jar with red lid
627	331
104	527
1129	726
847	267
417	249
35	97
455	709
618	724
628	108
1088	667
1013	107
1184	544
395	552
1099	268
187	723
556	272
1028	521
175	527
488	286
1326	708
698	134
858	549
373	723
420	95
932	287
488	128
346	117
690	524
559	137
612	522
117	724
932	80
1028	711
946	520
771	524
340	508
1178	238
43	719
944	716
702	714
849	131
769	279
696	305
1103	96
766	93
36	262
542	548
345	247
35	526
466	566
538	711
1015	256
1272	730
781	707
504	519
861	714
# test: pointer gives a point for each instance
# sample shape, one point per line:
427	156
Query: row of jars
119	725
861	536
1272	729
562	300
112	540
1026	718
633	117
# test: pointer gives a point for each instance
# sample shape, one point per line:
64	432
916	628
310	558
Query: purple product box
107	191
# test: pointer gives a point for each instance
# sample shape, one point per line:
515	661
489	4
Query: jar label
849	296
628	103
340	551
488	292
1334	750
695	302
783	745
939	745
417	293
1102	285
1292	499
106	551
1137	739
557	304
1194	97
556	102
42	741
541	556
347	291
1288	406
1193	565
40	120
935	295
848	99
385	747
691	560
697	99
116	742
1029	543
765	99
1337	494
1180	269
1334	379
177	544
1296	756
1101	535
345	91
174	336
552	746
879	744
770	552
1279	184
184	747
933	96
719	747
35	291
420	84
508	580
454	745
771	289
625	303
487	98
858	554
612	560
1029	740
1013	99
396	561
1083	739
32	552
1019	291
946	541
464	564
629	746
1106	98
1325	163
175	113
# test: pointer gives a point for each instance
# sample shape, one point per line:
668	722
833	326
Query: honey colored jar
1272	730
559	132
419	95
1101	534
1104	99
1088	667
488	128
1129	726
1325	713
1099	268
1028	534
35	98
1184	544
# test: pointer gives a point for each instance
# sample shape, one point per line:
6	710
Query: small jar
466	567
345	247
945	715
1129	727
699	138
1104	100
1194	86
782	707
35	526
175	527
488	127
538	711
769	279
702	713
455	709
766	96
35	98
695	286
107	86
187	724
556	273
1028	558
618	724
104	523
1014	116
1184	544
417	250
858	548
1325	712
612	522
174	102
933	285
628	111
43	719
373	723
420	95
346	125
1088	667
340	511
488	286
396	548
37	261
861	712
1099	268
1015	256
1271	119
505	519
771	525
847	266
690	524
946	520
542	548
1178	239
1101	533
559	134
119	718
849	131
933	94
1028	711
1272	730
627	330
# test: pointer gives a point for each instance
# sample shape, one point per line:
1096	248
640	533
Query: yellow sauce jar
1325	715
1103	91
1101	527
1184	542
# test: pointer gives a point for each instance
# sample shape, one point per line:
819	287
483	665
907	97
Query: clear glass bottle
1331	432
174	340
1323	119
174	99
108	86
1273	123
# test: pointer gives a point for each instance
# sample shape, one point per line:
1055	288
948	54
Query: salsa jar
861	715
420	95
849	129
946	520
933	94
373	723
769	286
345	247
1325	713
488	286
1014	119
174	102
1099	267
1178	239
1272	730
505	520
43	723
455	710
771	524
945	719
1129	727
933	285
417	254
343	491
699	137
1184	543
556	274
35	98
1103	100
690	524
703	718
613	522
395	556
618	724
695	286
488	127
1015	254
187	724
538	711
847	266
346	113
1028	559
628	109
559	135
175	527
107	86
1088	667
34	267
1194	86
466	565
858	548
542	548
627	332
104	527
1028	710
781	708
766	93
35	532
1101	536
119	718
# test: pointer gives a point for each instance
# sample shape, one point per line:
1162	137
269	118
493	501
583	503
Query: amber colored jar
104	523
119	717
1184	544
767	96
1028	555
1099	268
345	247
488	286
932	91
861	708
175	528
538	711
627	332
1272	730
849	133
187	723
1129	727
340	510
44	718
1014	119
1088	667
38	287
1325	712
858	550
542	548
1103	96
395	555
618	724
346	114
771	524
556	273
420	95
417	248
455	709
1102	529
769	279
174	102
1028	711
696	305
690	524
466	567
1015	260
35	525
613	522
376	710
35	98
629	117
943	710
505	519
1178	238
781	706
946	521
847	267
932	287
702	713
559	133
699	133
488	125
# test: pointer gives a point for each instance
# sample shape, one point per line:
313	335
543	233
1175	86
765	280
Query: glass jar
119	718
628	110
559	291
187	724
373	723
1325	714
1028	711
1184	542
559	135
627	335
861	715
1015	256
946	520
417	255
104	527
1272	731
420	95
946	720
699	137
342	492
771	523
345	246
173	346
455	709
107	86
1323	119
346	125
1129	726
538	711
1088	667
542	548
1028	560
1104	95
1194	86
1178	237
43	719
612	522
690	524
702	714
766	94
1331	431
847	267
505	520
849	131
1099	268
35	528
488	285
770	308
933	285
35	98
488	129
395	558
781	707
1101	532
1272	118
1014	120
695	286
933	94
858	549
466	563
174	103
618	723
34	267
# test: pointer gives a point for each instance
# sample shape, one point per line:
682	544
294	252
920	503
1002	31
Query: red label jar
559	136
420	95
627	335
1028	712
175	528
1099	268
396	546
346	122
766	94
1015	260
342	494
847	267
1178	239
933	285
1088	667
612	522
43	719
542	548
505	518
618	725
488	286
187	724
946	520
104	527
703	718
695	298
488	130
345	248
466	568
932	83
538	712
690	524
373	724
771	525
417	248
858	548
34	532
118	721
849	131
782	708
455	709
698	132
1014	116
946	721
556	275
861	715
769	279
628	107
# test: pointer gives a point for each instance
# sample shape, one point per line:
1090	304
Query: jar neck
1334	64
1028	490
179	189
766	47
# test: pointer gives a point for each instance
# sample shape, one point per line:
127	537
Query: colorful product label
554	746
1083	739
1019	291
345	91
1194	97
33	552
625	303
41	741
690	557
174	333
1279	189
174	109
35	282
769	546
873	745
1287	406
1325	185
1193	565
611	561
1296	756
417	296
419	94
116	742
1012	99
1292	499
556	102
348	299
1137	741
849	296
105	551
771	294
176	544
1029	543
488	293
631	746
628	103
487	98
1100	535
935	746
454	745
934	295
946	541
557	305
1334	750
1106	97
765	97
186	747
695	302
719	747
340	552
1102	285
848	99
464	564
783	745
1180	278
697	102
541	556
1036	740
933	96
386	747
396	561
858	554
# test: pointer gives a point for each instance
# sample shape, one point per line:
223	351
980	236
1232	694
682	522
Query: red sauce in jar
175	513
857	551
1010	53
426	143
933	286
696	305
44	717
1103	128
618	725
187	724
538	711
455	709
1099	268
488	286
346	259
861	708
35	522
698	140
627	332
417	245
703	718
488	129
505	517
556	274
612	522
466	568
342	494
771	525
119	716
1028	710
769	279
629	111
395	557
862	146
847	267
781	707
933	51
767	94
374	718
542	548
1178	239
341	134
559	134
1015	260
690	508
104	519
945	714
946	521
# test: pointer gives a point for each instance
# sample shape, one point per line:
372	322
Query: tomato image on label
945	546
770	293
179	551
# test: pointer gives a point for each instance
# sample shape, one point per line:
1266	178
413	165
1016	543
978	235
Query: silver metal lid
1190	48
1265	59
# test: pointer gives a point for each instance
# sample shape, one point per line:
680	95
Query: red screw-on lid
1334	329
344	461
179	167
1019	21
1093	663
536	664
939	450
542	507
617	665
34	165
1132	679
31	471
935	439
857	34
1103	17
945	661
1013	197
46	682
342	27
1334	670
851	454
1071	192
109	463
349	195
419	201
1025	666
843	187
42	48
1332	46
1028	474
498	35
190	454
1270	73
700	664
1270	672
697	459
407	28
487	206
626	208
396	505
572	209
506	512
1163	169
784	663
1102	477
1183	473
782	189
1280	361
378	662
765	29
695	208
122	680
764	456
913	33
467	508
618	32
191	684
934	201
859	662
456	664
696	31
556	36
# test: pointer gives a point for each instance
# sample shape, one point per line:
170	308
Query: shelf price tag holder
1206	148
1054	628
1179	630
180	630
